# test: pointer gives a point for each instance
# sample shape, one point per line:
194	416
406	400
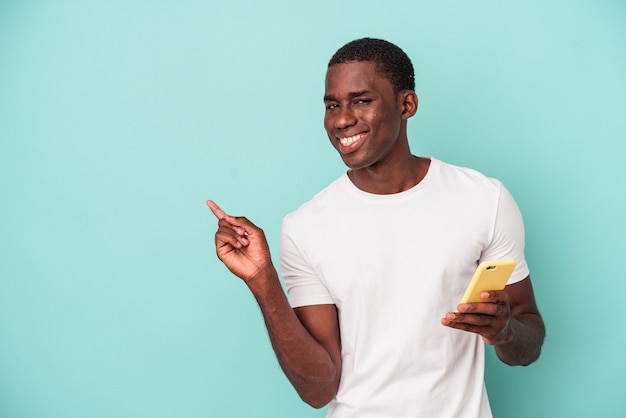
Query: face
365	119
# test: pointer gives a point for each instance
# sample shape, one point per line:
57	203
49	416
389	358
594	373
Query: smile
350	139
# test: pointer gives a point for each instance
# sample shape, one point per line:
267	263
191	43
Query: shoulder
318	207
463	183
461	174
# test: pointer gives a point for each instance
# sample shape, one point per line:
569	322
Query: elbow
317	404
318	398
317	384
319	393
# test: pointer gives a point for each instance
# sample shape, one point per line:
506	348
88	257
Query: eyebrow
352	95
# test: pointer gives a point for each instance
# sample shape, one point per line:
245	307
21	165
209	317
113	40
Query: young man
376	263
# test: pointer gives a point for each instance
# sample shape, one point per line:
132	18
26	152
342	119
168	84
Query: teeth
349	140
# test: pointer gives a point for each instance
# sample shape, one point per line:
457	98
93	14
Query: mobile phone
489	275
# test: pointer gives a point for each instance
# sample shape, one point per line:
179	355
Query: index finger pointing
217	211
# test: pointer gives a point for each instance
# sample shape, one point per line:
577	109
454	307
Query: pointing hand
240	244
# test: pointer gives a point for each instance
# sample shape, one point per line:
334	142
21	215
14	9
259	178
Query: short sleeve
303	286
508	239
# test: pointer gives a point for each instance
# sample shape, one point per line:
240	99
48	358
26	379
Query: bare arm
513	324
306	341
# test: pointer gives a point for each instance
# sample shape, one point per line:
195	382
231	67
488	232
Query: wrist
508	335
264	277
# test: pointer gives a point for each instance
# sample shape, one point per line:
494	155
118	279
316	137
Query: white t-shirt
394	265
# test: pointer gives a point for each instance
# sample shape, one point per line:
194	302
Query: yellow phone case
489	275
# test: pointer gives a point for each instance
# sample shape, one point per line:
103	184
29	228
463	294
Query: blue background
118	120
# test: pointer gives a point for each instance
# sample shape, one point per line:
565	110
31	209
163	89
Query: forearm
523	347
306	363
310	356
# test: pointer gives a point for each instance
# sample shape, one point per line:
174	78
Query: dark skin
361	103
306	340
366	122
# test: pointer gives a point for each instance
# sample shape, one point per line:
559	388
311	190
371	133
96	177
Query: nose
345	118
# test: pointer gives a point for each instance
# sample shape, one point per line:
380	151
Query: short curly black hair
391	61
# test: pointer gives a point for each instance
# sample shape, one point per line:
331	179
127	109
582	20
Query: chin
356	165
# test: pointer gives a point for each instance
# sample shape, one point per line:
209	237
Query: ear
409	103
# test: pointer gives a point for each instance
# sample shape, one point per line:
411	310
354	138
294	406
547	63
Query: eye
363	101
331	106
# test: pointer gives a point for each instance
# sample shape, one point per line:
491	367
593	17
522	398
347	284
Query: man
374	261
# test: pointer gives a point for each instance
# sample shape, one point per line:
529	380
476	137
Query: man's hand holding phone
484	309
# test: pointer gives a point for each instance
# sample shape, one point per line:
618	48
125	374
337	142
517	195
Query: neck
393	178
